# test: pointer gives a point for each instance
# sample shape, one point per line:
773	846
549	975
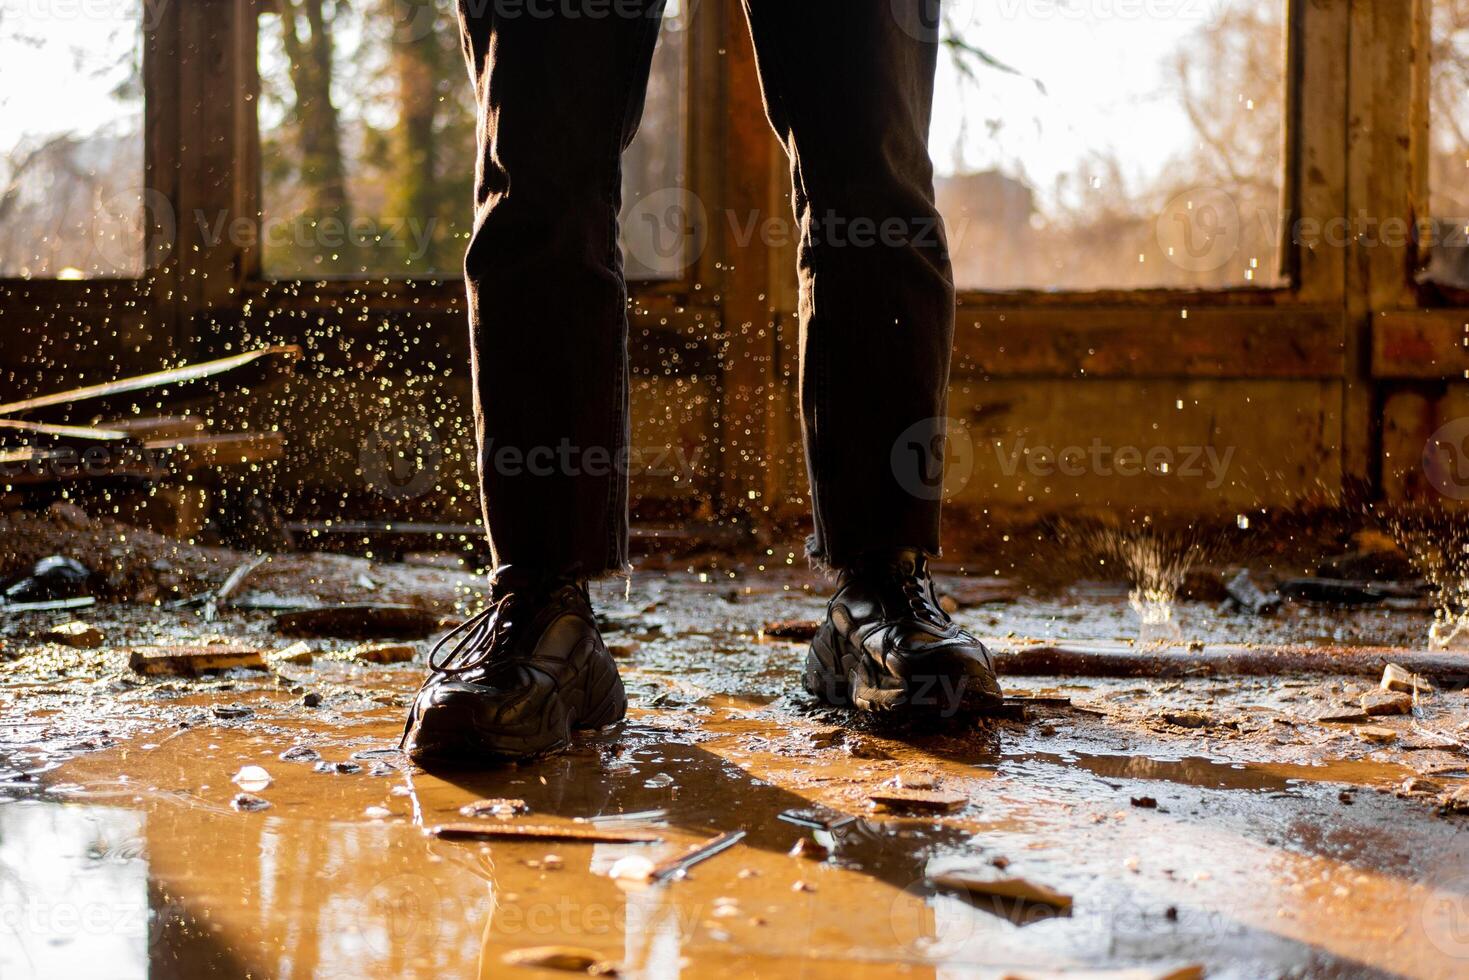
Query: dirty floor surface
1204	823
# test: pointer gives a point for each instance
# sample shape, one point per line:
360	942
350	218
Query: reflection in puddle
336	878
73	891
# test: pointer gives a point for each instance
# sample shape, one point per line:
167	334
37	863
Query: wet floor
1205	823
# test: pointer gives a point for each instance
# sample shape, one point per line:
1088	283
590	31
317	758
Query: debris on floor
517	831
191	661
679	866
991	883
1245	755
919	801
83	636
790	630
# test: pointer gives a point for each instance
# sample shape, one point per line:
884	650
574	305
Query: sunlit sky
1107	86
1102	63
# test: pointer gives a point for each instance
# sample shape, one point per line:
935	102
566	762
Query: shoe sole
841	675
451	743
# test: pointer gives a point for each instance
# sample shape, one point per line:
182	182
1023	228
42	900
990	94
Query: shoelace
481	634
920	599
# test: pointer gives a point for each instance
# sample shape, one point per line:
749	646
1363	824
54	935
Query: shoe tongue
524	582
903	561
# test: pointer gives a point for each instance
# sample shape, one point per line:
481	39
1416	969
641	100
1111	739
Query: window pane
368	167
1083	144
1448	156
71	139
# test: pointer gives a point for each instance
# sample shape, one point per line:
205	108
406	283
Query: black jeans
848	86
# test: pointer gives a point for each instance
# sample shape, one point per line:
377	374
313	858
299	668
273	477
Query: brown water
1265	855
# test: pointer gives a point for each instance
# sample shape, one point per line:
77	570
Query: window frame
1349	316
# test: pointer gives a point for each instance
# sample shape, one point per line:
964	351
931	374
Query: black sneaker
514	681
886	646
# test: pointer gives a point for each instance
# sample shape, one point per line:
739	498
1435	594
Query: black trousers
848	87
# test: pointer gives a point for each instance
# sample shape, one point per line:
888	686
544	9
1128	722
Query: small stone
249	803
802	886
863	748
76	634
1398	678
383	653
499	807
252	778
825	738
1418	786
811	849
300	753
231	712
633	867
311	699
1372	733
337	768
552	862
1456	801
1145	802
1376	703
1187	719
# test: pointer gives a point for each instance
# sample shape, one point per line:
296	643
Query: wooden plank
1379	208
1129	342
157	379
1110	658
1423	344
62	431
1317	140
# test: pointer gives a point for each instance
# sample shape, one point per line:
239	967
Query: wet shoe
887	647
516	680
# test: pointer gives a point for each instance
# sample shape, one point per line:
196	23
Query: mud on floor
1224	824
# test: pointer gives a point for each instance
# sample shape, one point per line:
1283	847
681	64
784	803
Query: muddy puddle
1202	822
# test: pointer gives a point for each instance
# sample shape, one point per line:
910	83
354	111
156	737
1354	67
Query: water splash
1156	562
1437	543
